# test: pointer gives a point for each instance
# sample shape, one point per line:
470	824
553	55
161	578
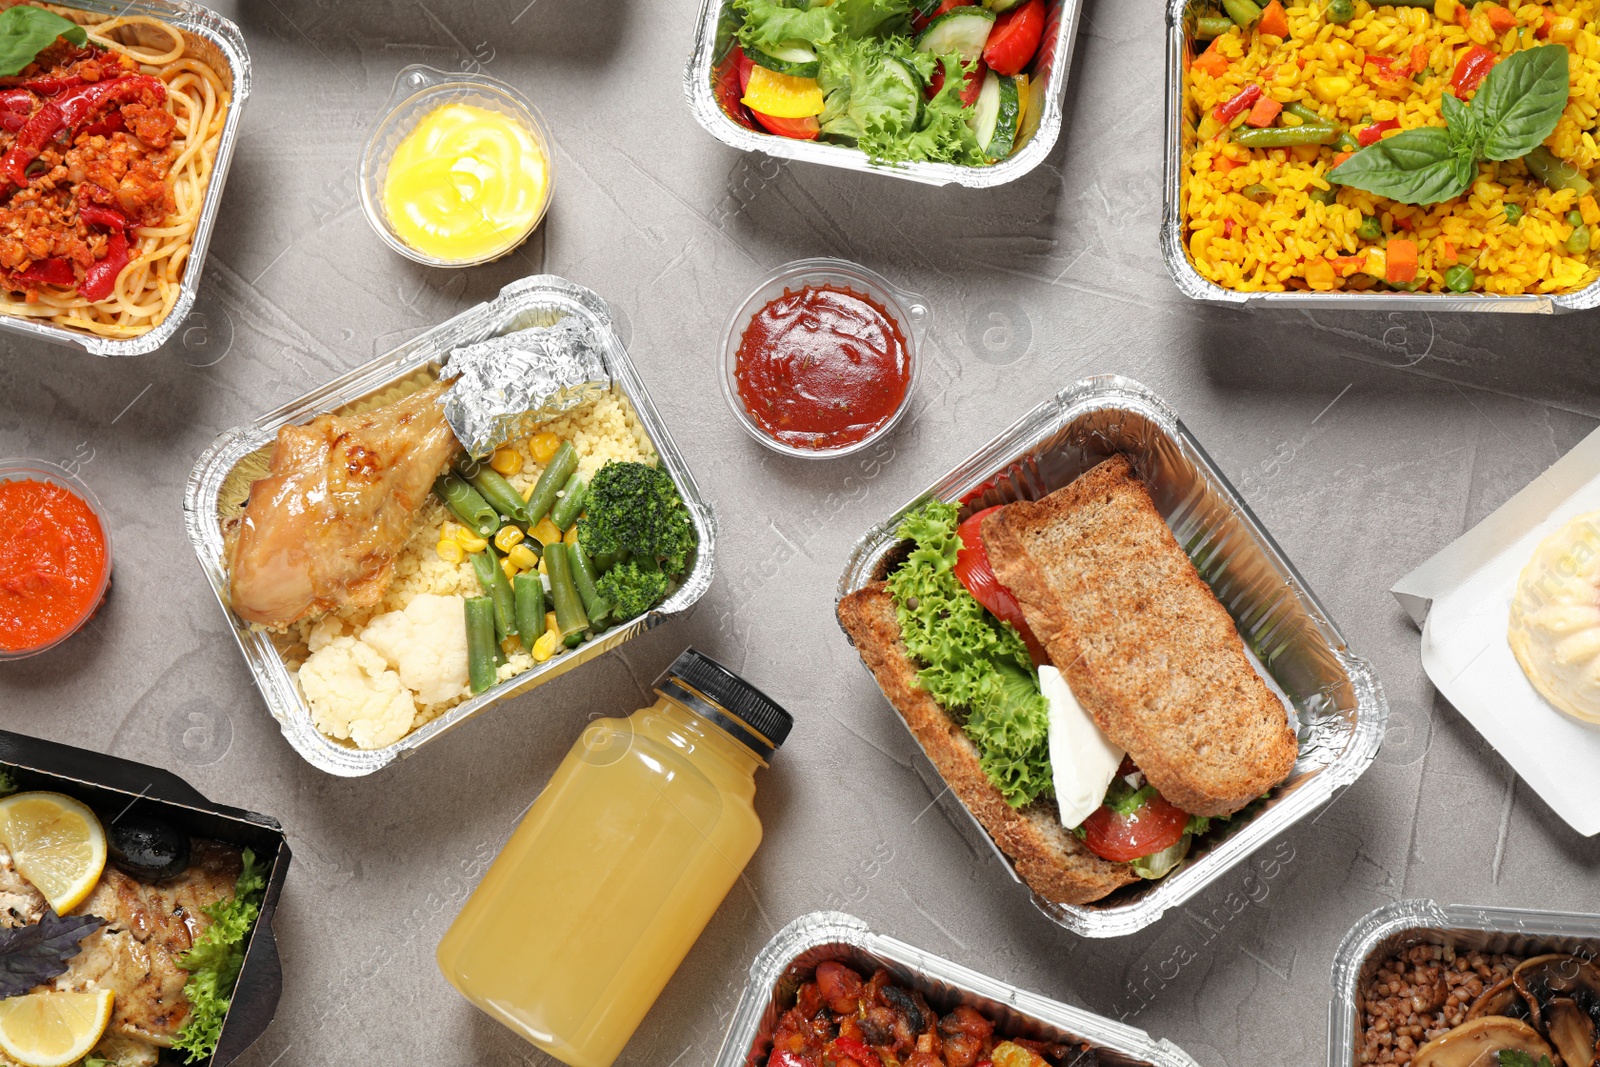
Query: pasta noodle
198	99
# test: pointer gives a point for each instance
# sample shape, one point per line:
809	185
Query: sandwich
1074	680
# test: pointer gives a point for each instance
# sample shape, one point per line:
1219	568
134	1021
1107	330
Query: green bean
1370	229
570	619
1210	26
1574	218
1578	241
565	511
1556	172
1346	143
1459	278
486	565
1340	12
1285	136
501	494
1329	195
1243	12
528	594
1259	193
1513	213
562	465
1422	75
467	505
1307	115
606	560
481	644
584	577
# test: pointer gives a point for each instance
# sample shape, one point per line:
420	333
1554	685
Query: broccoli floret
635	509
632	588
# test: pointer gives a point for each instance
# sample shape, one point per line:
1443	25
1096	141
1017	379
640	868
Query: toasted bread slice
1142	640
1050	859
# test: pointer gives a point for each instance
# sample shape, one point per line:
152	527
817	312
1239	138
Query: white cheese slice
1082	758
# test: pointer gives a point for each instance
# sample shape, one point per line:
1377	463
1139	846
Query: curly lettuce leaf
769	24
214	961
944	135
974	665
871	18
882	111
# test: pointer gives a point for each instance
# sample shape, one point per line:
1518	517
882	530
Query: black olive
148	848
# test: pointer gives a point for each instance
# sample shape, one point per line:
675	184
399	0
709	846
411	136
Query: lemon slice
53	1029
57	845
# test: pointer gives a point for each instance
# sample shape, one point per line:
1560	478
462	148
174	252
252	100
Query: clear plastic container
418	92
618	866
909	310
38	470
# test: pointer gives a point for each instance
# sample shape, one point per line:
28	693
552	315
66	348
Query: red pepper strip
1370	135
14	107
52	271
96	215
1384	64
106	126
78	104
1241	102
35	133
53	85
857	1051
1472	68
101	278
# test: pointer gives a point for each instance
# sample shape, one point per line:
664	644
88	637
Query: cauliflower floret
354	695
426	643
323	633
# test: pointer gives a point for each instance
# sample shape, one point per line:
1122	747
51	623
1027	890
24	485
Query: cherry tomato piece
973	571
1153	826
1015	38
974	86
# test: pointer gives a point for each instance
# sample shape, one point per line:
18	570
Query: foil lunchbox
219	42
1181	15
107	783
539	300
1046	106
1403	924
1338	702
791	958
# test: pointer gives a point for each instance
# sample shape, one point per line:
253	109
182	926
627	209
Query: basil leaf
1421	166
1463	121
1521	101
26	31
32	955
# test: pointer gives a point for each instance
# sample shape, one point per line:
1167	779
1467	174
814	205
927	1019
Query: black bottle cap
753	718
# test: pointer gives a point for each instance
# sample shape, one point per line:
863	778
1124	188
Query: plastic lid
748	706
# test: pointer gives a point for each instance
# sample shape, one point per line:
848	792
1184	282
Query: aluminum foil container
507	385
1046	106
1337	702
791	959
541	300
219	43
111	785
1398	926
1180	38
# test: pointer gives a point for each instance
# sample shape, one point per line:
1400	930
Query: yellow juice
612	875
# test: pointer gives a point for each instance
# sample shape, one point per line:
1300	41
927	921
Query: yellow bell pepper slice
781	95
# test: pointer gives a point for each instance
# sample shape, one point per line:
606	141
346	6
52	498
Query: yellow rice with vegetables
1268	219
338	659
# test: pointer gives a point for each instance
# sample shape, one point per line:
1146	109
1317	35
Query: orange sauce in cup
52	559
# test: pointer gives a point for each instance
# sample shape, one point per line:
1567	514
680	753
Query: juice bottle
618	866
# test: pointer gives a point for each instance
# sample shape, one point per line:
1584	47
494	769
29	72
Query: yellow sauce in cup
467	184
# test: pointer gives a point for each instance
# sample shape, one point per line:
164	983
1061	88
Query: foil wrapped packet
506	386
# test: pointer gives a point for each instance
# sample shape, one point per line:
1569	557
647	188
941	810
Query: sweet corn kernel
550	623
542	446
1330	88
524	557
1590	210
1564	29
469	540
508	538
545	646
571	536
509	567
511	646
449	530
546	532
1444	10
506	462
450	551
542	568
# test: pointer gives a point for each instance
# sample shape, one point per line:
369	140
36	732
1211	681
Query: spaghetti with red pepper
106	149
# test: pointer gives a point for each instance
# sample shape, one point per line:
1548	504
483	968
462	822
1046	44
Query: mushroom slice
1571	1031
1502	998
1478	1043
1544	978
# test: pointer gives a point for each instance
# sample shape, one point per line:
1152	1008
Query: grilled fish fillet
149	926
323	528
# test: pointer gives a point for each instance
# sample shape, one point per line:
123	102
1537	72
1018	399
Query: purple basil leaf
32	955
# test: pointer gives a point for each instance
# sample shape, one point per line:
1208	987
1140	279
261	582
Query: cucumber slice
925	8
902	71
1000	7
964	30
994	116
794	58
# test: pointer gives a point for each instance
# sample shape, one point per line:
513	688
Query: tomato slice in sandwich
1140	825
973	571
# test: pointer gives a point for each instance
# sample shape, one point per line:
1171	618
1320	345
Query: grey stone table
1365	442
